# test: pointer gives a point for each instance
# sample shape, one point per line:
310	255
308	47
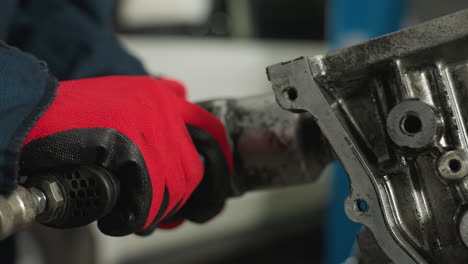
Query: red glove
136	128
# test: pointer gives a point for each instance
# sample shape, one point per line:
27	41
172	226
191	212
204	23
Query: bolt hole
81	193
72	195
83	183
411	124
361	206
75	184
455	165
291	94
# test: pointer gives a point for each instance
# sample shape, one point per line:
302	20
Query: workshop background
220	48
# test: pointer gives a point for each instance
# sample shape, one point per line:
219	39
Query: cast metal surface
395	111
271	147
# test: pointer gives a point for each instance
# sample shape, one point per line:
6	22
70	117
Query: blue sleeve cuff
26	90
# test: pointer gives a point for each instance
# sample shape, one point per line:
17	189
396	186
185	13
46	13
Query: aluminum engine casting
395	110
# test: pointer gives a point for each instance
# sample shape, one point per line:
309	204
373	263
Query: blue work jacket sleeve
76	40
75	37
26	89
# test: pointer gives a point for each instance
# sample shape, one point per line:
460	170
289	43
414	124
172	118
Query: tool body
271	148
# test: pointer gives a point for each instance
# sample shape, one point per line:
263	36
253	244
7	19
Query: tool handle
76	196
63	198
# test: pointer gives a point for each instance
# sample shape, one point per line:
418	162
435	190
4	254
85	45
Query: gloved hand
137	128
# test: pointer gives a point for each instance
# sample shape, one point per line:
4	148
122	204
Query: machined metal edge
297	76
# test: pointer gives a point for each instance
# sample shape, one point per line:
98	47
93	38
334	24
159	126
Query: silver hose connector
19	209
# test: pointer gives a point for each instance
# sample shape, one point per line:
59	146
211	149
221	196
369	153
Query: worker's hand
144	132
